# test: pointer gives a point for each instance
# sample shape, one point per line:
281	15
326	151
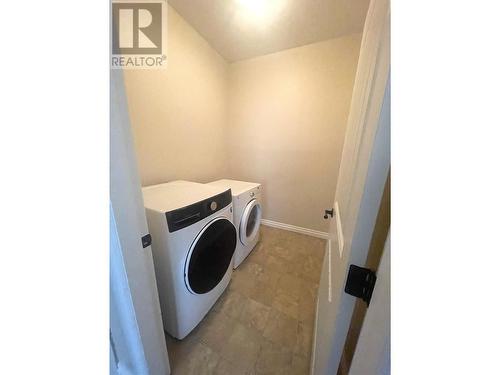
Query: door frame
373	349
360	240
363	172
136	322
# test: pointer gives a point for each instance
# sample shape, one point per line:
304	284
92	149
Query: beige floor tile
302	249
300	366
269	277
255	314
287	304
307	302
319	251
258	255
311	268
215	329
232	304
242	283
273	359
281	329
276	264
303	345
273	236
307	312
308	245
283	251
201	361
250	268
225	367
262	324
308	291
180	349
297	263
258	246
290	284
242	347
261	292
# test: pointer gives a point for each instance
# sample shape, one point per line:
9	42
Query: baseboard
293	228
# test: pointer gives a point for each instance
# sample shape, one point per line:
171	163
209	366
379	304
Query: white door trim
340	234
126	350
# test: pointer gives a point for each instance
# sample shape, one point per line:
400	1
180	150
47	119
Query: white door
138	342
372	355
362	176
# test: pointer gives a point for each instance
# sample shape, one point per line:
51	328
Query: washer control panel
186	216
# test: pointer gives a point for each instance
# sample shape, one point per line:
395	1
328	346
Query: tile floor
263	322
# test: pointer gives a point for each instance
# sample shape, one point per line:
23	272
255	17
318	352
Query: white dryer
194	240
247	203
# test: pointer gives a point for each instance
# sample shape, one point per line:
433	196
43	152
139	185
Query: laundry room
207	187
236	144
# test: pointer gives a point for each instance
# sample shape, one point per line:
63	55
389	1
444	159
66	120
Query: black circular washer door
210	256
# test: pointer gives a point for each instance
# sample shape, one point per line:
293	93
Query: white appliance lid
177	194
237	187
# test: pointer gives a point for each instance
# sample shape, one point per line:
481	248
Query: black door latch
328	212
146	240
360	283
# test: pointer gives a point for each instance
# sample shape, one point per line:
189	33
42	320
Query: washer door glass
210	256
250	222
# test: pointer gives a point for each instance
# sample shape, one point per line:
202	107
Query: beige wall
179	114
287	117
278	119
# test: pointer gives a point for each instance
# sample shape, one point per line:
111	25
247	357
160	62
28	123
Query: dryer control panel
186	216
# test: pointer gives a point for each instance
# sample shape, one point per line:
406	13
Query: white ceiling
238	33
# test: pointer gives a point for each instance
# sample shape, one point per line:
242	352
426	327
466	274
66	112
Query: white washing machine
194	241
247	203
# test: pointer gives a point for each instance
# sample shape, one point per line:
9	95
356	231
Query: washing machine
247	203
193	243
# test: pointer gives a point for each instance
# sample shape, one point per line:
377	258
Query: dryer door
250	222
210	256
